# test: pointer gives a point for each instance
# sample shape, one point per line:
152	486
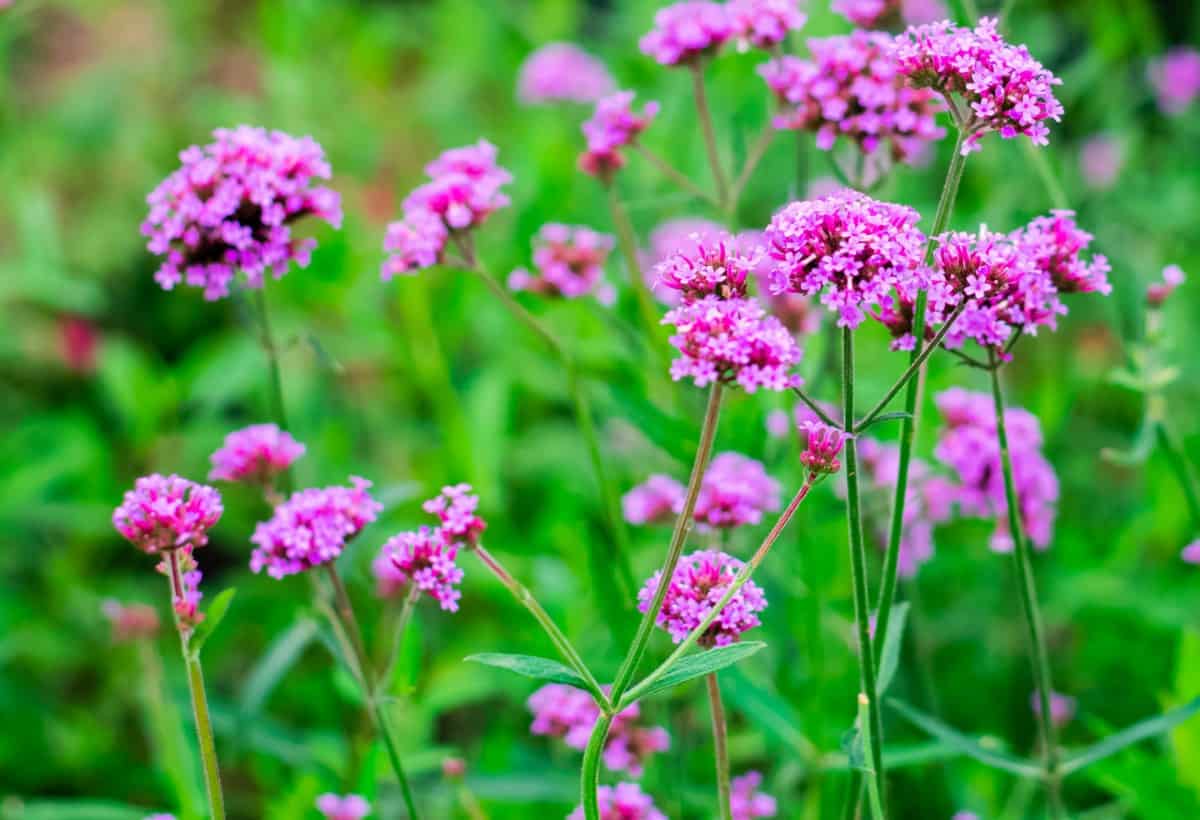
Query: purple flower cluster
562	72
163	513
312	527
671	237
851	249
1157	292
1054	244
624	801
732	341
230	207
746	802
699	581
851	88
712	264
255	454
868	13
465	187
566	712
821	448
455	508
343	807
764	23
423	558
569	261
1003	87
735	492
968	445
657	500
688	31
614	125
1176	79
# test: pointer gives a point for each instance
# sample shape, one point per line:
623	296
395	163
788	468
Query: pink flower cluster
735	492
746	802
343	807
465	187
1062	707
764	23
624	801
130	622
968	445
851	249
657	500
455	508
255	454
868	13
670	237
851	88
230	206
709	264
822	446
613	125
688	31
732	341
699	581
562	72
1157	292
163	513
1175	77
424	558
1055	244
312	527
570	263
571	714
1003	87
185	589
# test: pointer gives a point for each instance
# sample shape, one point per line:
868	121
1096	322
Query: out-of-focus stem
720	744
1182	469
674	174
399	628
627	243
753	157
710	136
278	409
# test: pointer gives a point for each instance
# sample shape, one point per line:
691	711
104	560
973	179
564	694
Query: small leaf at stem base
212	619
531	666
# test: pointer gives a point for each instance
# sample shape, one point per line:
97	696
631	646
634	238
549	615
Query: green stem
1029	602
875	801
385	734
908	426
858	564
710	136
815	407
720	744
590	773
627	243
399	629
278	409
1183	471
674	174
560	641
165	734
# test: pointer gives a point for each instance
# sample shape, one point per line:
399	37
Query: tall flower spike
712	265
562	72
425	559
255	454
569	263
1055	246
613	126
312	528
851	249
163	513
688	31
1002	88
624	801
699	581
230	207
455	507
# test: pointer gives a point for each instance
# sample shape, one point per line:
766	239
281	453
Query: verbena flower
1157	292
1062	707
764	23
868	13
709	265
688	31
570	714
465	188
130	622
624	801
255	454
735	492
160	815
423	558
746	802
1175	77
1101	159
673	236
1055	245
699	581
343	807
1001	86
562	72
851	249
569	262
851	88
657	500
822	446
455	507
969	446
798	312
613	125
163	513
732	341
312	528
230	207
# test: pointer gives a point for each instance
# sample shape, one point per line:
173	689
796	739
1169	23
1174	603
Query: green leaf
764	708
1138	452
212	619
1127	737
673	435
79	810
897	415
530	666
965	744
889	660
897	756
695	666
852	748
280	656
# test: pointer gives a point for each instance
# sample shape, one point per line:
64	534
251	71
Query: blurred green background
426	380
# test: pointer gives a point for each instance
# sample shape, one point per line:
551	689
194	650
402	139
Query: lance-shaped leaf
889	660
531	666
212	619
694	666
964	743
1127	737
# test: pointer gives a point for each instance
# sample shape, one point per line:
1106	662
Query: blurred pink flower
1175	77
673	236
562	72
1062	707
1191	553
348	807
1157	292
130	622
255	454
746	802
764	23
78	339
569	263
571	714
657	500
1100	161
686	31
624	801
613	125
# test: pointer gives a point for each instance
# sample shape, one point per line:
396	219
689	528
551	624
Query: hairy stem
720	744
874	799
710	136
591	766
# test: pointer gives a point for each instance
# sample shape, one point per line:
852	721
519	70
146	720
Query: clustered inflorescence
699	581
562	72
734	492
613	126
255	454
569	262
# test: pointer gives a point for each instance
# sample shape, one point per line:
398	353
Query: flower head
130	622
851	88
1157	292
255	454
656	500
687	31
423	558
732	341
1175	77
1062	707
416	242
562	72
455	507
312	528
624	801
613	125
673	236
712	265
163	513
823	444
1055	245
734	492
698	583
569	260
764	23
868	13
230	207
1003	88
746	802
851	249
343	807
566	712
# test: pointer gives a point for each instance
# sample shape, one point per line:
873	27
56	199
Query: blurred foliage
427	380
